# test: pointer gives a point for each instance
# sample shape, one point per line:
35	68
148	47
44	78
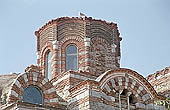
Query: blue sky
143	24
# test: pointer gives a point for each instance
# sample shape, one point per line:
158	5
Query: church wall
50	98
97	83
98	44
5	84
28	106
69	79
160	81
81	96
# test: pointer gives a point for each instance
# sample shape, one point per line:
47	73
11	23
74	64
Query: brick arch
70	42
70	39
35	79
125	78
45	49
125	83
75	40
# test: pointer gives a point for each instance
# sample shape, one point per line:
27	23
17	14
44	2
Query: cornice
62	20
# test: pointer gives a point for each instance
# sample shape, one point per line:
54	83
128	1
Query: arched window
124	92
32	95
48	65
71	58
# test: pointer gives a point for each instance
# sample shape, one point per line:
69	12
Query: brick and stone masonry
98	44
98	82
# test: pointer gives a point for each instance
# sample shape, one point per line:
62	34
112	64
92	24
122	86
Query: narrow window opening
48	65
71	58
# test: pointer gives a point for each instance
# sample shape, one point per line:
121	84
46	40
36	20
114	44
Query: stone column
128	94
120	106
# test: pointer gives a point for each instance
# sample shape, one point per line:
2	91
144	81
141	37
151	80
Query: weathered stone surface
98	44
5	84
160	80
97	83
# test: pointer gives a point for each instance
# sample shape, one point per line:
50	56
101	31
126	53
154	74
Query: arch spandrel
117	80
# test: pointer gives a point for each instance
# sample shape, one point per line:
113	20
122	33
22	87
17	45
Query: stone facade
160	81
98	83
5	84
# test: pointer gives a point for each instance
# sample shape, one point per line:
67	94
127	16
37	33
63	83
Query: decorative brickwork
119	79
104	92
36	79
78	42
89	35
43	55
63	82
90	80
